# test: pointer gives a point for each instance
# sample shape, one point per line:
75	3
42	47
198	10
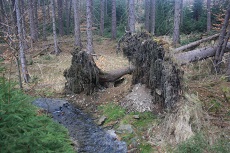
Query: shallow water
90	137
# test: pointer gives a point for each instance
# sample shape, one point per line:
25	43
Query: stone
101	121
136	116
125	128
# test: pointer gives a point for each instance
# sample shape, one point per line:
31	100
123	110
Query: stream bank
86	135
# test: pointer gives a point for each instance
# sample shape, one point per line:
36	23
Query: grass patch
112	111
199	144
146	148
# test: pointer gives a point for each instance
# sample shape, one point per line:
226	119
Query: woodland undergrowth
23	128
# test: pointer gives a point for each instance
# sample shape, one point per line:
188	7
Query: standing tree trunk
35	7
147	14
60	17
208	15
176	31
223	39
131	16
114	20
32	24
77	32
14	18
44	21
228	69
102	22
153	16
68	14
22	54
57	51
89	46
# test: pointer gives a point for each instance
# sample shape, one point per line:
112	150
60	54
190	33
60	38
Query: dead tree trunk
223	39
198	54
147	14
195	43
176	29
131	16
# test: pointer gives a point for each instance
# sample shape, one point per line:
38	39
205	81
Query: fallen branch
195	43
41	52
197	54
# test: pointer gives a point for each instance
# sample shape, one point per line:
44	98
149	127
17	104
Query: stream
88	137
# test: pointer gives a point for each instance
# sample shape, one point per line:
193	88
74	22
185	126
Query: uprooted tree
150	67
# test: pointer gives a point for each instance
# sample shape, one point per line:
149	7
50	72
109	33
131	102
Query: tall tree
35	11
153	16
56	49
102	20
14	18
60	17
20	36
89	46
68	15
77	32
32	23
176	30
44	20
131	16
147	15
208	15
114	20
223	40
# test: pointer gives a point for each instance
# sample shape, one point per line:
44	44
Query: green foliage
196	144
199	144
112	111
23	129
146	148
164	16
145	119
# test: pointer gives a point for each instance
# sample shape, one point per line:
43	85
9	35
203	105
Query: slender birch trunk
21	49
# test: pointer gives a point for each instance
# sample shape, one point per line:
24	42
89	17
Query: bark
176	30
153	16
57	51
77	32
228	69
223	39
195	43
197	54
44	21
22	54
102	22
68	15
131	16
14	18
89	46
32	24
147	14
114	75
60	17
23	18
114	20
208	15
35	7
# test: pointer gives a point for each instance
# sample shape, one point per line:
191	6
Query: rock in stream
90	138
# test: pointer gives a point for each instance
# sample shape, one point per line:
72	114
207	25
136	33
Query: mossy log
154	68
84	75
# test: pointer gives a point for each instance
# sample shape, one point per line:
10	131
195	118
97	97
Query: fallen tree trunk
84	75
195	43
114	75
197	54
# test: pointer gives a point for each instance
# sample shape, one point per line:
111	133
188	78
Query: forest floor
47	80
